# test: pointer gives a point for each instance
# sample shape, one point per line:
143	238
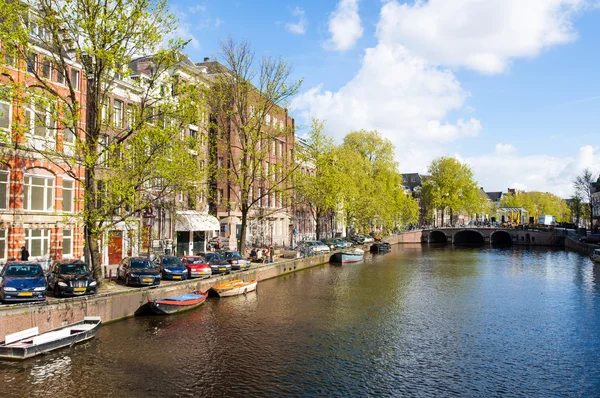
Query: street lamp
149	221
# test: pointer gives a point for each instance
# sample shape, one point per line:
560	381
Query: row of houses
41	200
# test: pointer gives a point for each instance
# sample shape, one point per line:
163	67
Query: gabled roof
411	180
494	196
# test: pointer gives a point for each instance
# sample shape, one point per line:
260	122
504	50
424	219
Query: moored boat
347	257
29	343
380	247
595	256
234	288
171	305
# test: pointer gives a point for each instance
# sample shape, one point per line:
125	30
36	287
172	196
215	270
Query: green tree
577	207
451	185
127	168
245	96
539	203
585	189
318	181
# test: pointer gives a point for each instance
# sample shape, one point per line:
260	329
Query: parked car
71	278
138	271
171	267
594	238
312	247
217	262
197	267
22	281
342	243
236	260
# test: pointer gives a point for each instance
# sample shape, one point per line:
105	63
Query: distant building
596	205
413	184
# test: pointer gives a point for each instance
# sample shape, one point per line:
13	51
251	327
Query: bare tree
584	188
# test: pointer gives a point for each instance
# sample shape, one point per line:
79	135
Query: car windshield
170	261
141	264
24	270
74	269
213	257
194	260
232	255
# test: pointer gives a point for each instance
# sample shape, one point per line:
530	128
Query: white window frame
72	190
4	202
75	78
9	116
67	237
44	239
49	123
3	244
118	113
49	184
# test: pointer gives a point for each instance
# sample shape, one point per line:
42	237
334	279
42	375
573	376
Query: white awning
190	220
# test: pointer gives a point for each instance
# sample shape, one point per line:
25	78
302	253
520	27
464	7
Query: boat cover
183	297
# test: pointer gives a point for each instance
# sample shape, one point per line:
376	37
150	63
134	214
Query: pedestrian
253	255
271	254
265	253
24	254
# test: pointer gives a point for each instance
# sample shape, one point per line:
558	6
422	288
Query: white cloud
344	26
199	8
403	96
298	27
505	149
480	35
500	170
184	31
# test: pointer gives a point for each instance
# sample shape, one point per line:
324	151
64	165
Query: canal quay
422	320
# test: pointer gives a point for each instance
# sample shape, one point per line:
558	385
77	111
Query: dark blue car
171	267
22	281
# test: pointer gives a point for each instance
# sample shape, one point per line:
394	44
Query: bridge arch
501	238
437	237
468	237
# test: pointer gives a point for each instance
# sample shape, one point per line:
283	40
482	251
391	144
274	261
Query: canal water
419	321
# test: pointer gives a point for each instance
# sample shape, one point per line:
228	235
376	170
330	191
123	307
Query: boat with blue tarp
171	305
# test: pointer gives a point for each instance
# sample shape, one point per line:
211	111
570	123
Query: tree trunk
242	247
318	225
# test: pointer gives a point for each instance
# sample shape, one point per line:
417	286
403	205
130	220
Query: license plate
176	277
222	269
147	280
80	289
26	294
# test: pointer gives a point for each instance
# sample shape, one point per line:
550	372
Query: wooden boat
234	288
595	256
171	305
380	247
347	257
29	343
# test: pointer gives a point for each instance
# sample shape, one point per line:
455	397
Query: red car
197	267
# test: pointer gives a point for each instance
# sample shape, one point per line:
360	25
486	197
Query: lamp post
148	221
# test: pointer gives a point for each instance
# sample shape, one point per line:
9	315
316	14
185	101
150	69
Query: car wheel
56	291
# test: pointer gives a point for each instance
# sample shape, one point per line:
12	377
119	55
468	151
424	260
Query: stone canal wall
580	247
117	305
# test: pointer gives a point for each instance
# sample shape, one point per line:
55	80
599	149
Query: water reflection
419	321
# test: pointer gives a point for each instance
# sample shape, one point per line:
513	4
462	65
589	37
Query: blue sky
510	86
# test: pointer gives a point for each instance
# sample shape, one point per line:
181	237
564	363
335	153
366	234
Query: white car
312	247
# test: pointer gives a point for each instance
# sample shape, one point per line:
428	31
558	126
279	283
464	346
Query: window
130	120
75	78
193	133
266	169
69	129
273	148
31	63
39	190
268	119
281	149
68	194
2	244
5	115
46	69
38	242
40	119
104	111
67	242
4	189
60	78
118	113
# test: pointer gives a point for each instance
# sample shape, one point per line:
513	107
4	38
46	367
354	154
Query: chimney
206	59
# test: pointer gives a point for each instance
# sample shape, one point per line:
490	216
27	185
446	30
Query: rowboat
29	343
171	305
595	256
380	247
234	288
353	256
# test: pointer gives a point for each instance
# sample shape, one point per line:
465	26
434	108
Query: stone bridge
481	236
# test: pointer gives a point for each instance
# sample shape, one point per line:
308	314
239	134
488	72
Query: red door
115	247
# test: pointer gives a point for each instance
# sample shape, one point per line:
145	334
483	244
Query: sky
511	87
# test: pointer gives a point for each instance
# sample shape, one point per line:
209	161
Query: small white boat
353	256
595	256
234	288
29	343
